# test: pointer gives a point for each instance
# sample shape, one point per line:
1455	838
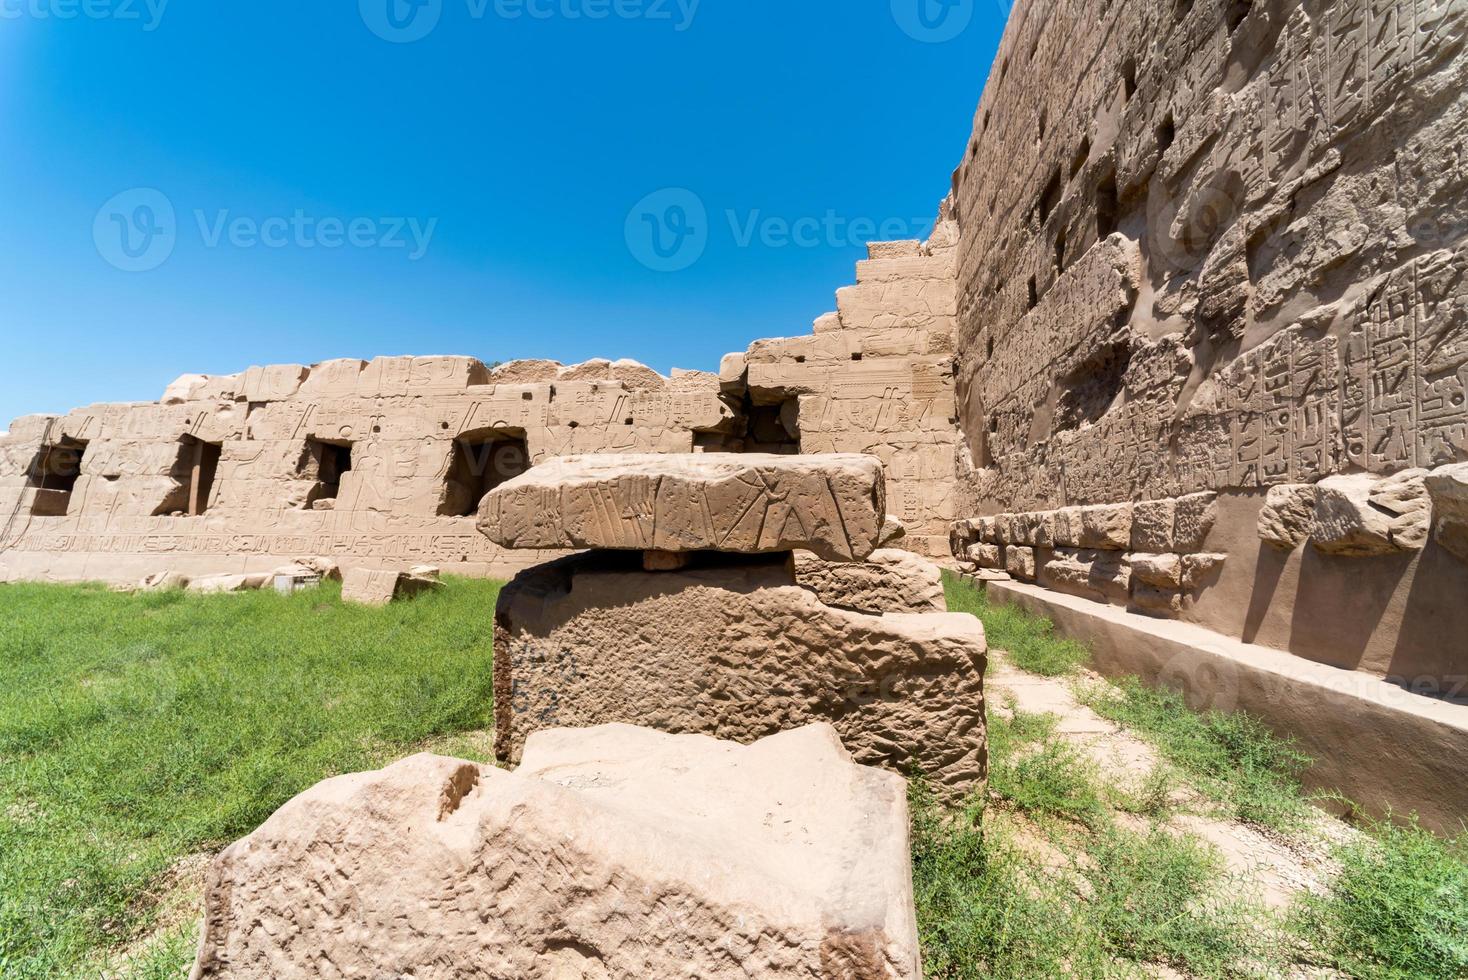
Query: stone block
1162	571
783	857
215	584
1362	516
737	651
986	555
1019	562
1107	527
1288	516
888	581
1104	576
1201	570
1157	601
1153	526
378	587
1196	515
832	505
1448	488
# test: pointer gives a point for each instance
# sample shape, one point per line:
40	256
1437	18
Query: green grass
1034	771
138	729
1398	908
1244	767
1029	640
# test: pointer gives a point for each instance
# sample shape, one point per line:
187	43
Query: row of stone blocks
740	611
1144	555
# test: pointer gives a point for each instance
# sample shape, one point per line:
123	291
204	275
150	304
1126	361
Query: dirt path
1278	865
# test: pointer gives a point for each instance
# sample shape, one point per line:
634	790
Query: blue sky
192	186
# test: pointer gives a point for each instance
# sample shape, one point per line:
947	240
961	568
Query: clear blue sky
519	136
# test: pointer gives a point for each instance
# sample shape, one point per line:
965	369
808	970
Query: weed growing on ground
1029	640
1233	758
136	729
1398	908
1034	771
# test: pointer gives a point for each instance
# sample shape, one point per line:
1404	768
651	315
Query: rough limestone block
1196	515
961	535
888	581
1158	601
988	530
736	651
611	852
986	555
378	587
1153	524
1362	516
1019	562
1201	570
1448	488
1107	527
163	582
893	530
1288	516
833	505
215	584
1101	575
1067	527
1162	571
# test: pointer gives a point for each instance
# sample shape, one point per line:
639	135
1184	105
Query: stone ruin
690	612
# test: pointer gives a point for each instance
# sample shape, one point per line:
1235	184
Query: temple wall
1221	247
377	462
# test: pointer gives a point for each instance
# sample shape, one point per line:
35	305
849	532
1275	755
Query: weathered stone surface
831	505
378	587
1106	527
737	651
1153	524
214	584
888	581
1101	575
987	555
1162	571
1019	561
1448	488
1157	600
163	582
1288	516
1362	516
1196	515
1201	570
440	869
893	530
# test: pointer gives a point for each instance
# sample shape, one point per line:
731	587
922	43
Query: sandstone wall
380	461
1219	246
876	376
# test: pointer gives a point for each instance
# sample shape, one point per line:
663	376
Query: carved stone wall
1222	246
380	461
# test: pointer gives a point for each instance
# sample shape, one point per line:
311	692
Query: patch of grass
1162	898
1034	771
1029	640
982	910
135	729
1397	909
1232	758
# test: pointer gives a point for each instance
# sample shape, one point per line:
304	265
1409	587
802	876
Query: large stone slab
611	852
737	652
833	505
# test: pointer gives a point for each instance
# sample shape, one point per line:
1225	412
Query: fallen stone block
1448	488
888	581
737	651
611	852
215	584
1362	516
1201	570
378	587
833	505
1288	516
